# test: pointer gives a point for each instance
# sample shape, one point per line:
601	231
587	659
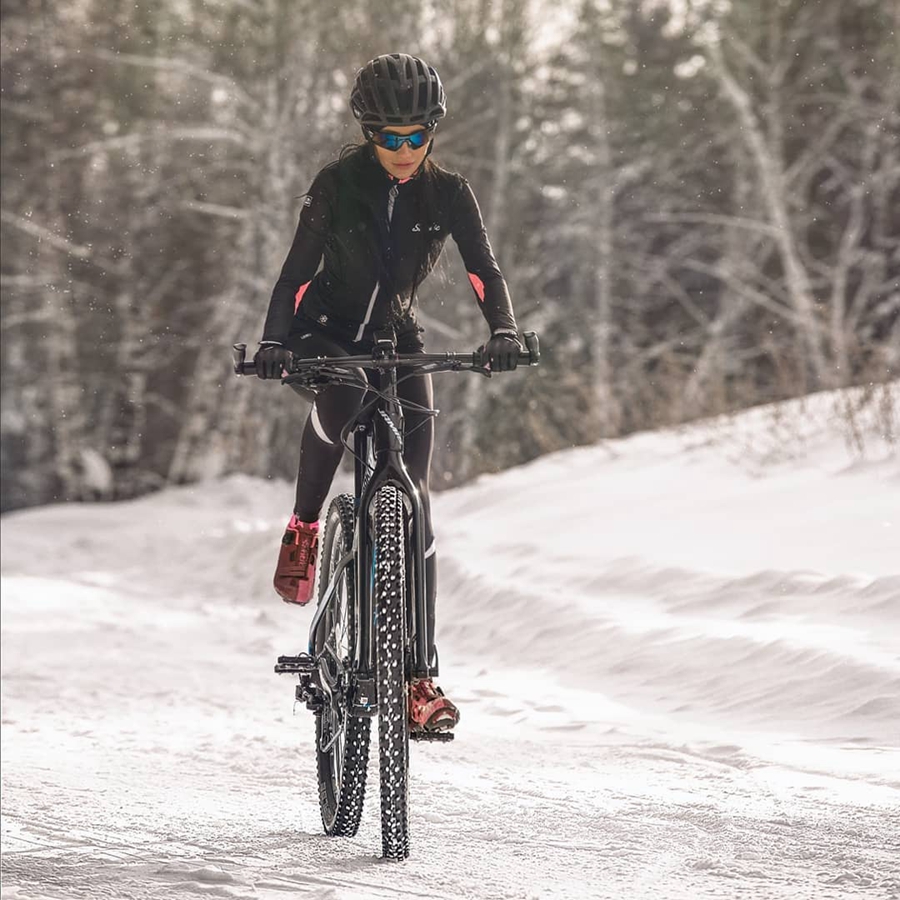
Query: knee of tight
336	406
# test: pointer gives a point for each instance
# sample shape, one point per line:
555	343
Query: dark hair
352	205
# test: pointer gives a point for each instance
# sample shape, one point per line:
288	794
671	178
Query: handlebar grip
532	354
241	366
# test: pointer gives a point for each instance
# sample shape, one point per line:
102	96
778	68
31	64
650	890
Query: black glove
271	360
501	352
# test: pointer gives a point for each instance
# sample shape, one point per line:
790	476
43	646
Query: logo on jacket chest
420	227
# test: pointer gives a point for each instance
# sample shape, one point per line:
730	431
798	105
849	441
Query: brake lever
316	381
453	366
306	379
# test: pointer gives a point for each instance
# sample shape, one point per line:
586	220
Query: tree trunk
608	413
471	397
773	187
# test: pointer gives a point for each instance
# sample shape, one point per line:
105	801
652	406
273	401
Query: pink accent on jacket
298	297
478	284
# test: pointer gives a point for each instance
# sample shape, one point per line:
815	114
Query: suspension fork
394	439
385	432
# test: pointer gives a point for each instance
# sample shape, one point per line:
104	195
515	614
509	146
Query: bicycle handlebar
529	357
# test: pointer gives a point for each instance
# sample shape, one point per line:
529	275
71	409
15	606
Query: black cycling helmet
397	89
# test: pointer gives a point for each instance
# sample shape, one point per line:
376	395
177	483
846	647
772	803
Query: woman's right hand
272	360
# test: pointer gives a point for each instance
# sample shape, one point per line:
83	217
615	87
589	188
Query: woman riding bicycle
380	216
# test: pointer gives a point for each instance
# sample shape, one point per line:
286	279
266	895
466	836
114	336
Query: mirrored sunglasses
394	142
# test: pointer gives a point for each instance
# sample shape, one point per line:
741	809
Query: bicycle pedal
295	665
441	737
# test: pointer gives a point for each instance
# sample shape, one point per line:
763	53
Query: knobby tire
390	602
341	768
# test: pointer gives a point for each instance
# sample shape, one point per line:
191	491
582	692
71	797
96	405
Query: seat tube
365	651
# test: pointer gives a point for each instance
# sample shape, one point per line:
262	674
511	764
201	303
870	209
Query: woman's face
404	162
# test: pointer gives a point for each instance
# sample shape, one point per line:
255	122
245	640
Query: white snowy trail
677	659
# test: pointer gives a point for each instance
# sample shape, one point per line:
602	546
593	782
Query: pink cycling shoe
429	709
295	575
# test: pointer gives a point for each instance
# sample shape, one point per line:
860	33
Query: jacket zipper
392	199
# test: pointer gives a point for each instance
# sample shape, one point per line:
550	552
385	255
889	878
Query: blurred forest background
696	205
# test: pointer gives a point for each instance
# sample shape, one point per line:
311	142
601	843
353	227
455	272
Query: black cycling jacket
379	239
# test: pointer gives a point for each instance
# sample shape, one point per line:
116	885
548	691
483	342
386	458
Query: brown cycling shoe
429	709
296	572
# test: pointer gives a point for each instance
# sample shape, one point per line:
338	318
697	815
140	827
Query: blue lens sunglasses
390	141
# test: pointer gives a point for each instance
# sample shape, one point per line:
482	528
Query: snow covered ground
677	658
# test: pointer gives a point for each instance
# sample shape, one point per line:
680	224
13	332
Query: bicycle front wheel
390	637
342	740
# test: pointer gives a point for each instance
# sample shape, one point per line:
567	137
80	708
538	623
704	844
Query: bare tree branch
748	292
183	66
44	234
215	209
206	133
715	219
28	282
14	320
